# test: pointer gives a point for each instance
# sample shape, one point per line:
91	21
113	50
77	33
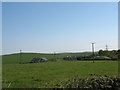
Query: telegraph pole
106	47
93	51
54	56
20	56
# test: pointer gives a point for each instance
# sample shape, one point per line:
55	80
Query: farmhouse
37	60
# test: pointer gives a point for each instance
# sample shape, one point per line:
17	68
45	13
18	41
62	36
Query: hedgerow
93	82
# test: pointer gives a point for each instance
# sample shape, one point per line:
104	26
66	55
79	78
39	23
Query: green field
40	74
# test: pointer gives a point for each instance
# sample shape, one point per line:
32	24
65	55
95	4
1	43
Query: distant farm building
38	60
70	58
84	57
87	58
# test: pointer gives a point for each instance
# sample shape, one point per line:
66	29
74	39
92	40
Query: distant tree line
100	55
113	54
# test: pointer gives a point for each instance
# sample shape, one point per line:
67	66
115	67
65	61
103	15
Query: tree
118	53
101	52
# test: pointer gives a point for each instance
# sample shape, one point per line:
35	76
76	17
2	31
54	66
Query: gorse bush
93	82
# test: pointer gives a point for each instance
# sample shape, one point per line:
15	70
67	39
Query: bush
93	82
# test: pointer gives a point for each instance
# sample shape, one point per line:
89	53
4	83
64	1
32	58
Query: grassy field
40	74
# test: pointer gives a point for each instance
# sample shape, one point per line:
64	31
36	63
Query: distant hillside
26	57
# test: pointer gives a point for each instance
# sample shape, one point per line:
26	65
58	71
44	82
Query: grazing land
38	75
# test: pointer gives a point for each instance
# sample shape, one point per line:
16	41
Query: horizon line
54	52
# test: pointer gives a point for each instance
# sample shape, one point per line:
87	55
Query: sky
0	28
60	0
47	27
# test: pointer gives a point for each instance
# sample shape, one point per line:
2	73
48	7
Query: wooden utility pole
20	56
106	47
93	54
54	56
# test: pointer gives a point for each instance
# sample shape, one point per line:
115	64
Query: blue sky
59	27
60	0
0	28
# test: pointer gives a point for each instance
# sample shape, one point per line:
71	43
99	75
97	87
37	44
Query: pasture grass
47	74
38	75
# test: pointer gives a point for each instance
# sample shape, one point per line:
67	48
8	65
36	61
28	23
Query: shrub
93	82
